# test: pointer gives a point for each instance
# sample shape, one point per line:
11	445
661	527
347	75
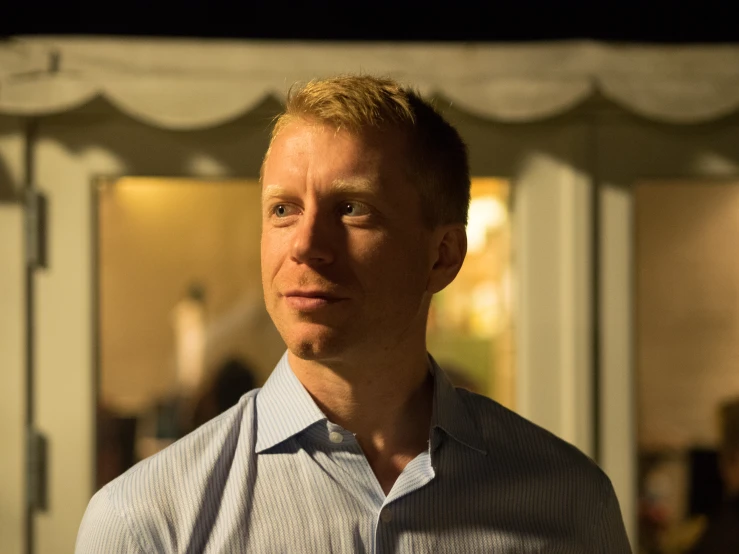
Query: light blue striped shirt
273	474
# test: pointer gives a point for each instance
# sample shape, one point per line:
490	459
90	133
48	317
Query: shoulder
105	528
552	473
166	489
520	442
192	457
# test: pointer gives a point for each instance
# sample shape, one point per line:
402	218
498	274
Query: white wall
554	332
618	424
687	311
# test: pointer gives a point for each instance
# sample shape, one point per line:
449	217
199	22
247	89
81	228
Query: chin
316	347
311	350
306	351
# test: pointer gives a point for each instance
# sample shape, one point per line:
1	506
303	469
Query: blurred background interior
600	296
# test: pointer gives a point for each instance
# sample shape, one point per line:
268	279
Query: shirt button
386	515
335	437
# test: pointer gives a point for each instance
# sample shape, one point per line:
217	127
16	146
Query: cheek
397	267
269	258
371	253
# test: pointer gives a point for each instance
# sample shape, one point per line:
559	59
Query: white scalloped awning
190	84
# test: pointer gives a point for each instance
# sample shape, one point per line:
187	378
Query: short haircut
438	163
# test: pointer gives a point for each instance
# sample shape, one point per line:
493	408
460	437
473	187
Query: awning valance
190	84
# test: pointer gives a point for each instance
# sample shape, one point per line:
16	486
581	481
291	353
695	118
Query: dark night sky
464	20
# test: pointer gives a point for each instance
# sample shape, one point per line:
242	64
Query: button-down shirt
273	474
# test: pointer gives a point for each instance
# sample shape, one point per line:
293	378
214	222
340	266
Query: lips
310	300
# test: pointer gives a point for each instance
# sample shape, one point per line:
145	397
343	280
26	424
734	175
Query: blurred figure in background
115	445
189	324
228	384
722	533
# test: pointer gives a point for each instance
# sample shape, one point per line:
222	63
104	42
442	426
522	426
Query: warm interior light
487	213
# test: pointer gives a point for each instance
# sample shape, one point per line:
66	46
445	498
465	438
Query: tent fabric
190	84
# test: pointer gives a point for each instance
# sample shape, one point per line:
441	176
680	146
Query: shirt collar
450	413
284	409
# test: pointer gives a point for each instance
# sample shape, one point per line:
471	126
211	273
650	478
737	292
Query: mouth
310	300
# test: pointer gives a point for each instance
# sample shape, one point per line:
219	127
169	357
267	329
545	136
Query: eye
354	209
282	210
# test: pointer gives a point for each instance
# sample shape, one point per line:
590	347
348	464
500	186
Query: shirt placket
393	515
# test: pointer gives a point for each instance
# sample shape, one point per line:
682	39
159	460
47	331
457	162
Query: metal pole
30	223
595	284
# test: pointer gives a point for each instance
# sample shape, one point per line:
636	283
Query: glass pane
183	331
470	329
687	323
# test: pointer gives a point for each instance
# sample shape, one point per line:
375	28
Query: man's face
345	257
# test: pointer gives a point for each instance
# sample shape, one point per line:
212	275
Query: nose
312	241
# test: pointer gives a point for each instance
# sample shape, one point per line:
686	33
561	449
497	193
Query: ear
450	243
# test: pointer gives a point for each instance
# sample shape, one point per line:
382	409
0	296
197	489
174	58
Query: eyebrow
357	185
273	190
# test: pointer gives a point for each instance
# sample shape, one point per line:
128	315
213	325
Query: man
358	442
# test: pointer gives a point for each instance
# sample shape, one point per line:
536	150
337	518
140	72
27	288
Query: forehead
321	150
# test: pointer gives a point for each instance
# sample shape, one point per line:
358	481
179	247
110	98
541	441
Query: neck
386	403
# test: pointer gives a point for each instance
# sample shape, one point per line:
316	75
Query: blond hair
437	156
